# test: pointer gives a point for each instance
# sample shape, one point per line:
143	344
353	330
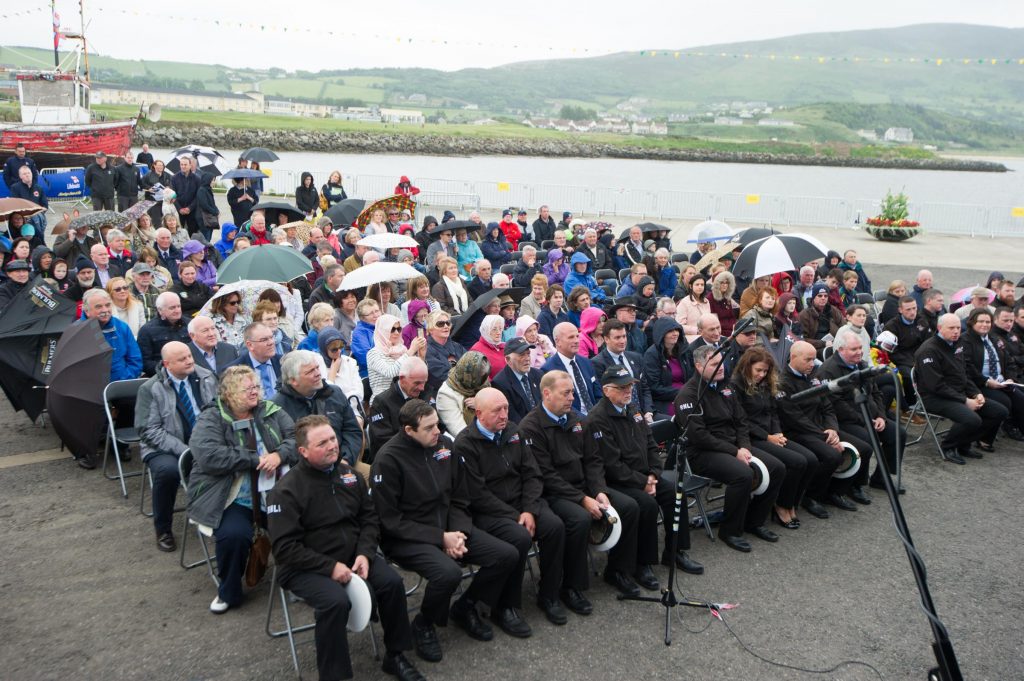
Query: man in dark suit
481	283
586	389
260	354
519	382
615	353
207	351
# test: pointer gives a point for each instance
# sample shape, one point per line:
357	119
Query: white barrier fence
812	211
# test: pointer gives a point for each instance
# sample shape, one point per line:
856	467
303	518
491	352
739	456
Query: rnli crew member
505	489
575	488
616	432
720	449
383	417
421	496
324	529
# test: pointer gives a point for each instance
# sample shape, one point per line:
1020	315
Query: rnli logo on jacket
376	417
815	381
377	479
442	455
1000	344
577	428
727	392
514	438
927	360
686	405
922	328
780	395
958	351
348	479
273	508
598	435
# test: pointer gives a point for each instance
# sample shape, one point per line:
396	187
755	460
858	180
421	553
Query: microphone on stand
840	384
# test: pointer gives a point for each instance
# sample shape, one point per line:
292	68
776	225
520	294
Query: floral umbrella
250	290
397	201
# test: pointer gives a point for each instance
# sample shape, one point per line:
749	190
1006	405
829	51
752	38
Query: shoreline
457	145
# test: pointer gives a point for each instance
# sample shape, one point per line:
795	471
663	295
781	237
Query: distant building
650	128
869	135
727	120
678	118
776	122
191	100
900	135
418	98
402	116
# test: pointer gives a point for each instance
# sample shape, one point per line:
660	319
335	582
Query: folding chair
919	407
623	273
507	268
148	477
523	244
666	435
119	390
185	462
603	275
547	244
681	258
878	300
278	592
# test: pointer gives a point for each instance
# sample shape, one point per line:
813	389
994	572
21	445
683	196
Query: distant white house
727	120
776	122
402	116
870	135
191	100
901	135
650	128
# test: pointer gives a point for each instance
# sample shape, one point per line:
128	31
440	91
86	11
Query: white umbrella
377	273
779	253
709	230
250	290
388	240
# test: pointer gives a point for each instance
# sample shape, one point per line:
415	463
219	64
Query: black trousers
622	557
909	395
164	468
648	508
1011	399
885	439
968	425
126	202
741	511
103	203
576	522
495	558
549	534
513	533
887	385
801	467
330	601
828	461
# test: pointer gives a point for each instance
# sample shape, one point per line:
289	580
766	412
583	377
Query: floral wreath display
893	223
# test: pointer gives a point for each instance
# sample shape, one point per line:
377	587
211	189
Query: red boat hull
113	138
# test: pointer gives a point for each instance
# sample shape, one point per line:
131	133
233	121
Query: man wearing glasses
260	354
820	319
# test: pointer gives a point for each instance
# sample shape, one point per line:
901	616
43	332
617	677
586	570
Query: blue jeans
233	537
164	468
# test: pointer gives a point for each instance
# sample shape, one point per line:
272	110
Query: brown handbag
259	552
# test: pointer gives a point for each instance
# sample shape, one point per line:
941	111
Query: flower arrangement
894	212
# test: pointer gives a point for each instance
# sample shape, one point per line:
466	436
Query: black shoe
165	542
685	563
469	620
576	601
644	576
762	532
1013	432
815	508
953	456
512	623
553	610
974	453
841	501
623	582
399	666
424	636
878	484
793	524
860	496
124	451
738	543
86	462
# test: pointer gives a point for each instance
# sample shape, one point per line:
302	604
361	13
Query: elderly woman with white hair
490	344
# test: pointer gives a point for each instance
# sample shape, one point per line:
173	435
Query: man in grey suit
207	351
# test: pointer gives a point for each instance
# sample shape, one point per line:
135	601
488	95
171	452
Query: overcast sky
453	34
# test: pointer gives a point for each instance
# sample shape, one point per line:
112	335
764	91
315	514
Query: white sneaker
218	607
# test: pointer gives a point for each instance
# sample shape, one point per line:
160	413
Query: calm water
988	189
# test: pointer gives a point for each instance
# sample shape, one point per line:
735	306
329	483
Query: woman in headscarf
417	326
455	398
555	268
490	345
382	360
450	291
528	329
592	320
339	368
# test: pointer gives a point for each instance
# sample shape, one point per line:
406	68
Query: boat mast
56	33
85	45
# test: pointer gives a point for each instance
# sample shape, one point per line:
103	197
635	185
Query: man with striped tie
165	413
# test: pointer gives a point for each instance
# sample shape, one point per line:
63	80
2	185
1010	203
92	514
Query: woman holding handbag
238	446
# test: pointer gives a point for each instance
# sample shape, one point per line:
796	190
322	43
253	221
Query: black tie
529	393
585	401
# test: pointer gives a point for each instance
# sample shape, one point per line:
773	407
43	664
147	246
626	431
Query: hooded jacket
206	272
307	199
329	401
226	244
589	319
586	280
469	253
221	454
494	246
656	365
205	203
832	260
37	253
556	274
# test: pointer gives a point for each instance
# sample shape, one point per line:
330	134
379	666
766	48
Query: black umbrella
197	151
272	208
777	253
345	212
452	225
751	235
29	329
243	174
74	400
259	154
482	301
649	227
206	165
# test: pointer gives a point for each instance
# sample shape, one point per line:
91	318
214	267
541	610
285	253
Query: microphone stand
668	598
948	668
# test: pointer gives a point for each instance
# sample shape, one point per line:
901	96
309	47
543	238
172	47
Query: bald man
505	487
943	385
167	326
165	413
586	387
383	415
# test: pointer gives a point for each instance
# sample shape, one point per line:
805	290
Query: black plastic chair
680	257
120	391
547	244
666	435
623	273
603	275
524	244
